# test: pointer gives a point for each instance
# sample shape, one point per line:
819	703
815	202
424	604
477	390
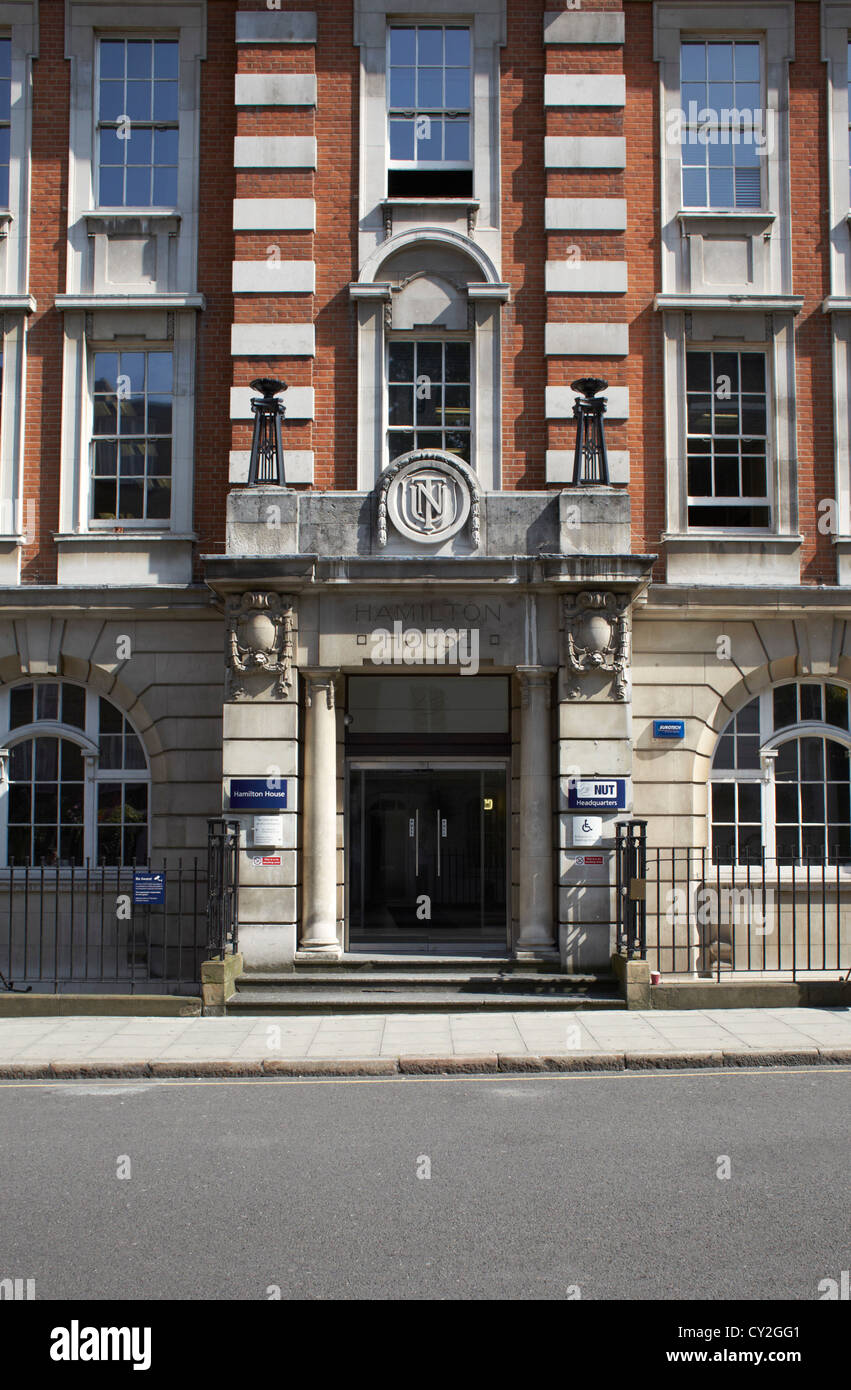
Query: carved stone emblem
597	639
429	497
259	640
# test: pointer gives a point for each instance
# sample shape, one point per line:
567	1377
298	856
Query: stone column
318	934
536	937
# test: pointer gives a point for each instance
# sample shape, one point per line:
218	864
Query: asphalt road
606	1183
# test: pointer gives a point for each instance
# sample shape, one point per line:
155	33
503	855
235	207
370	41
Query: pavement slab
424	1044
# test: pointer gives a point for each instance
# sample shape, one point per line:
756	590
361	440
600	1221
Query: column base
330	952
536	953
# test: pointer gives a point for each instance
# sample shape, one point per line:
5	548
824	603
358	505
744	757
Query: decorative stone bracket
596	628
260	640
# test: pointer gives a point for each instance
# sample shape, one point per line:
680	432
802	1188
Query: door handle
438	842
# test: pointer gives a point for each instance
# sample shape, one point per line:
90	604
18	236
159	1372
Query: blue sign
669	728
148	888
258	794
597	794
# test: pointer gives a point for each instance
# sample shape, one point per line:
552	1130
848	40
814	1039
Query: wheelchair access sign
598	794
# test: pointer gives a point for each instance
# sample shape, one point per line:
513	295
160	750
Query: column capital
320	679
535	678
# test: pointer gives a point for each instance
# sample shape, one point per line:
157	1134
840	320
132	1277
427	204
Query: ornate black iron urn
590	461
267	450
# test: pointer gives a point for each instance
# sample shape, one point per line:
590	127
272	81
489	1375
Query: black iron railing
94	928
709	917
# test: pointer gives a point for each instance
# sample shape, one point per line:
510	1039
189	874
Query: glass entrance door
427	857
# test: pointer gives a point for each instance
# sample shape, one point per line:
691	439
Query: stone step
484	982
361	999
403	961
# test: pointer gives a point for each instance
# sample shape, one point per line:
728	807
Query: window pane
837	761
111	193
165	102
20	761
20	706
810	702
785	705
747	720
403	46
112	58
20	803
139	58
47	701
46	803
165	146
166	56
429	46
70	845
693	62
71	803
747	753
694	188
456	140
401	139
836	697
134	755
723	801
812	759
110	719
46	759
786	803
457	47
812	802
72	761
165	188
138	101
746	56
401	362
838	803
750	801
109	802
402	88
725	753
401	405
786	766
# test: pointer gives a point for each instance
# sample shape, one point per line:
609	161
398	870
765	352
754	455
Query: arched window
779	783
76	788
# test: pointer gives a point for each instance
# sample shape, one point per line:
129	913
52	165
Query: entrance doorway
428	858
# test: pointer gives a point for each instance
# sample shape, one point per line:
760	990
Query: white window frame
127	523
87	21
19	22
87	740
122	208
770	481
772	23
427	166
732	39
487	22
769	742
422	335
836	39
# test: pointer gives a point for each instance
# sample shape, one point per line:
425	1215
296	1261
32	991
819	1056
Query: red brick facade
331	435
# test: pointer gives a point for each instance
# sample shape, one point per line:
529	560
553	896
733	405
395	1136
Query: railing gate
631	856
223	887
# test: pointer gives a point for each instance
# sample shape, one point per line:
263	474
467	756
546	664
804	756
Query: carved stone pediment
259	640
596	639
